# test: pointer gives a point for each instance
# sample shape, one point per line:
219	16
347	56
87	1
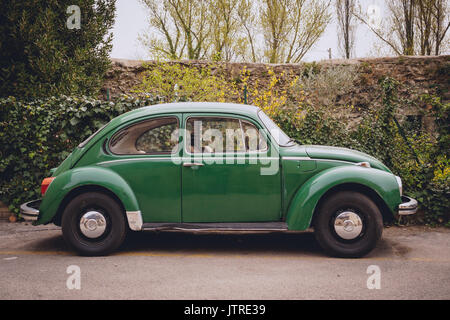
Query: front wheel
348	224
93	224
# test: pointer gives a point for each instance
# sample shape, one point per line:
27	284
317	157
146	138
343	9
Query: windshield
81	145
280	137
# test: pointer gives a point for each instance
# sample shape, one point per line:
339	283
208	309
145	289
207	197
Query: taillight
45	184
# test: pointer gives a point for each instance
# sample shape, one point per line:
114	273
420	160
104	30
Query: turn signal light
363	164
45	184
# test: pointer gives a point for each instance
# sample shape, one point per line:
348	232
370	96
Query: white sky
131	20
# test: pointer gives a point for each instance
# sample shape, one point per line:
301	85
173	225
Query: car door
223	173
145	157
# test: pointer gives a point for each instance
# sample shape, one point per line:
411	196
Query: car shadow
296	244
53	243
221	243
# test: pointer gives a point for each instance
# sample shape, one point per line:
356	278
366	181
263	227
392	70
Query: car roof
183	107
180	107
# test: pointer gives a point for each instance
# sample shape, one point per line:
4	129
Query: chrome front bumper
30	210
408	206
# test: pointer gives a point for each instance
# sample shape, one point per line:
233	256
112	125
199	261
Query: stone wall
424	72
418	75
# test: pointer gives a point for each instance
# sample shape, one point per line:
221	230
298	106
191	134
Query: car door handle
192	164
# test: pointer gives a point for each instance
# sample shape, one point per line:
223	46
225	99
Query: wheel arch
356	187
80	190
380	186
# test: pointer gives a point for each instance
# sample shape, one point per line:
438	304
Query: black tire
115	230
366	210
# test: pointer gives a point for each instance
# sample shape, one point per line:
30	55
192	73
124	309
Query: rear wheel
93	224
348	224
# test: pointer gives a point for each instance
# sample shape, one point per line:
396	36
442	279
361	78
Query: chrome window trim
182	159
136	159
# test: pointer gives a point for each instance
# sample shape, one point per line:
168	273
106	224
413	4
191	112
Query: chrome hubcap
348	225
93	224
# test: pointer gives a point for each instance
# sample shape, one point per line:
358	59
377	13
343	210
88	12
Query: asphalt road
413	263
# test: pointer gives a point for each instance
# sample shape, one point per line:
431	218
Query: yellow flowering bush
271	98
176	82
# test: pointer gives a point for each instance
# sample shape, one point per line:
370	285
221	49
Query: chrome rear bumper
30	210
408	206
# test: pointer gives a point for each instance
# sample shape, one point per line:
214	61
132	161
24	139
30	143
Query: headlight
400	186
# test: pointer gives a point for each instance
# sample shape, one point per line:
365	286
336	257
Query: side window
214	135
254	139
153	136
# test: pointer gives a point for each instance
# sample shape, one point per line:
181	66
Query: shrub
36	136
424	164
327	84
183	83
271	97
311	125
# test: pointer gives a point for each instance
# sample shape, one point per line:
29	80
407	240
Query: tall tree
247	47
270	30
441	23
173	44
292	27
183	25
413	26
404	15
41	56
397	29
274	18
224	28
424	25
346	26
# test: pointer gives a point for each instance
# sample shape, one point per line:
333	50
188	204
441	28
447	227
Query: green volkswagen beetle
215	166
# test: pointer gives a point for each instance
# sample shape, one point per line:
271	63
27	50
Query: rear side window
154	136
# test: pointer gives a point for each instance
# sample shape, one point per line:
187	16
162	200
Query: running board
223	226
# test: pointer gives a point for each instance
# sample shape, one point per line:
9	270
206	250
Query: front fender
85	176
302	207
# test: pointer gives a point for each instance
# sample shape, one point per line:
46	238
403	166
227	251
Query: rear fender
91	176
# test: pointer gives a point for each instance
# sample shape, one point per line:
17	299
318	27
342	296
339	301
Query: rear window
155	136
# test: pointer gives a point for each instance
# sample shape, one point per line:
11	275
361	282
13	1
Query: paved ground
414	263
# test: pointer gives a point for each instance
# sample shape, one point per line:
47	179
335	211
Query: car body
165	167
